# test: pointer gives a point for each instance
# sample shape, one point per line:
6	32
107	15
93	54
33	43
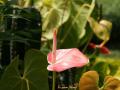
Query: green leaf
103	70
20	36
51	21
113	69
55	16
113	61
1	2
34	76
74	30
101	29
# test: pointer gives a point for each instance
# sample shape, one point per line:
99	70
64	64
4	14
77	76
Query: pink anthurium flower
63	59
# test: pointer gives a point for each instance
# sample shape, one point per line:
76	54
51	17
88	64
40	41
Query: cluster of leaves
21	26
90	81
60	14
71	17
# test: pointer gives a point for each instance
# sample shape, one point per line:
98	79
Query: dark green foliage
22	28
34	76
102	69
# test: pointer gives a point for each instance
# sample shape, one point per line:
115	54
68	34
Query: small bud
92	45
104	50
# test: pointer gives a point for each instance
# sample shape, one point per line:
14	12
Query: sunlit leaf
102	29
89	81
48	3
111	83
74	29
1	2
55	16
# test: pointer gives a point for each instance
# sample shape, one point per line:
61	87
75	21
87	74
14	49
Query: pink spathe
66	59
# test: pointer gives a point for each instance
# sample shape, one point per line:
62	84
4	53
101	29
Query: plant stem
89	39
54	56
54	80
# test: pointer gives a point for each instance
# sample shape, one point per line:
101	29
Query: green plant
77	23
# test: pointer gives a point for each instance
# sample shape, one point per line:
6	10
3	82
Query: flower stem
54	57
54	80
